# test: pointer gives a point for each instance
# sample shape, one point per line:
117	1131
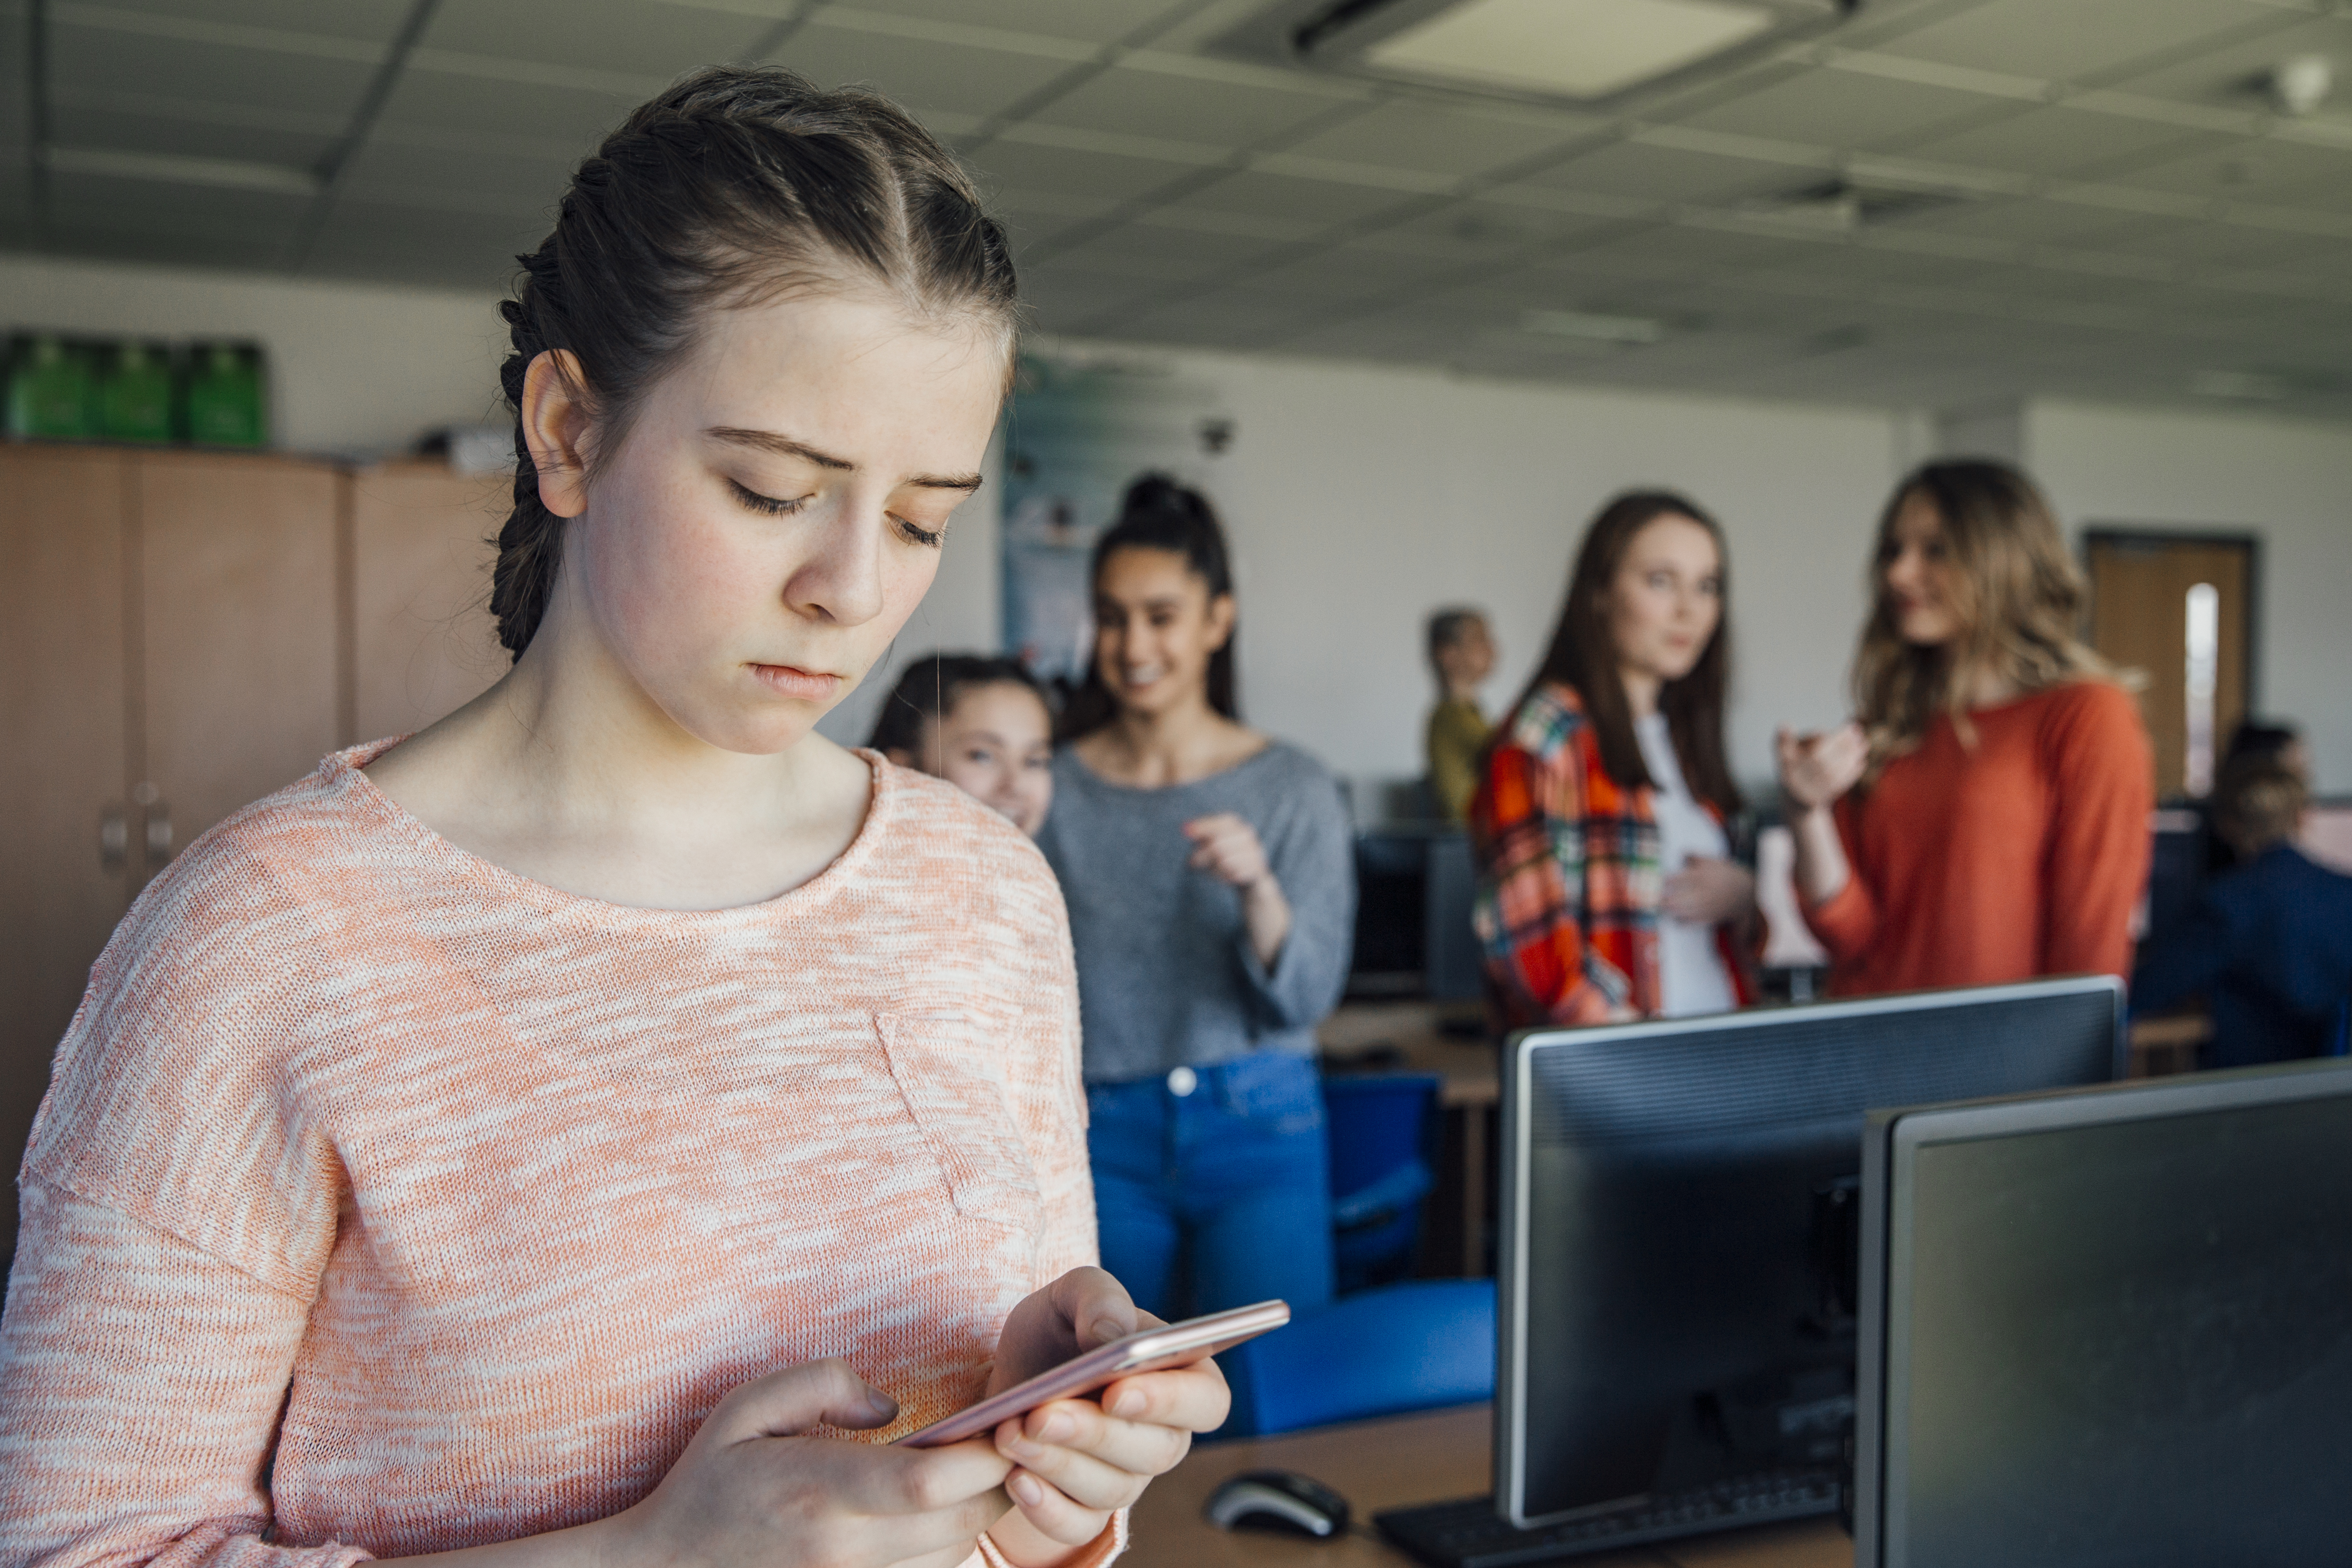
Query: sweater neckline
343	773
1098	781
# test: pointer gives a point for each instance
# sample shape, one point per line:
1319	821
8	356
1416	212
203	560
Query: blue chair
1383	1130
1415	1346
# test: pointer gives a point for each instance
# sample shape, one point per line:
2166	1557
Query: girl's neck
1642	689
1180	745
1983	685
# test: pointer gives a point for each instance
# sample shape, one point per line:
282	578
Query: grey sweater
1166	974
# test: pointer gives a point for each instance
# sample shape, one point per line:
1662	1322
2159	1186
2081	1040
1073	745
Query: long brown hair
741	183
1583	655
2014	590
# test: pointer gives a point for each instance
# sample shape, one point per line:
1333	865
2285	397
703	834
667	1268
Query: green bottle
134	392
227	404
51	393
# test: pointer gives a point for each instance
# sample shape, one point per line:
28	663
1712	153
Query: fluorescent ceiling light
1606	328
1579	48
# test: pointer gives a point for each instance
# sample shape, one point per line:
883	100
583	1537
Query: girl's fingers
1191	1398
1080	1477
1132	1448
1053	1512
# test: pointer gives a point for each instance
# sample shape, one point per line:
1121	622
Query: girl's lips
789	681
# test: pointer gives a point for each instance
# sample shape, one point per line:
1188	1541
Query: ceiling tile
439	101
2071	141
526	185
600	35
130	132
1644	172
378	21
2269	171
1179	107
1440	140
1090	21
109	60
1309	200
958	77
1357	271
1063	172
2070	41
1840	109
1164	254
2229	77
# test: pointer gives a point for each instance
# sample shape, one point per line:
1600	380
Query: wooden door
236	584
2147	589
65	860
422	639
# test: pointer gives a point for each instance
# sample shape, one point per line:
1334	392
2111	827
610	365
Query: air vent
1843	204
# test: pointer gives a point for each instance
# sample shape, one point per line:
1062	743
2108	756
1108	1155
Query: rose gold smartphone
1153	1349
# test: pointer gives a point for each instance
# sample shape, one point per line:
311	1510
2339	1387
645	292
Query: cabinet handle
159	833
113	840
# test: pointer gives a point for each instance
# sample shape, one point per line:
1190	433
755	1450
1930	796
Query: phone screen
1153	1350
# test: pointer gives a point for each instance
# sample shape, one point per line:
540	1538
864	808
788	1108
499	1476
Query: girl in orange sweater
1985	818
590	1129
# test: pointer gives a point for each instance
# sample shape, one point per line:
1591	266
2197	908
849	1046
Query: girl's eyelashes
928	538
768	504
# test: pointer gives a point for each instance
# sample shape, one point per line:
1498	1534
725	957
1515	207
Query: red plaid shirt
1569	879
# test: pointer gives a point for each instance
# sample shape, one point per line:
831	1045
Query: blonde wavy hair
2017	596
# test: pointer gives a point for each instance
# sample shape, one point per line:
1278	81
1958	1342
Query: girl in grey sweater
1210	879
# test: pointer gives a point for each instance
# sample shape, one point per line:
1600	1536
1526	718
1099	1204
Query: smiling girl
1985	817
584	1131
978	722
1606	888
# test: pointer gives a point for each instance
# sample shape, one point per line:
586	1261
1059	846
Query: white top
1691	975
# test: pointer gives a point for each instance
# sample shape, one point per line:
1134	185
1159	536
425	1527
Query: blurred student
1460	655
1212	892
2253	740
1986	816
981	724
2270	943
1606	887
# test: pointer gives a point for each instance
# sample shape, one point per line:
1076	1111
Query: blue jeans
1233	1178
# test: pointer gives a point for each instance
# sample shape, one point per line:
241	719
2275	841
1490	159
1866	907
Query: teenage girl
1985	817
1211	883
980	723
1606	886
587	1130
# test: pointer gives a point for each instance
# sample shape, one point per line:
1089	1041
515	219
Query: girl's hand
1815	769
753	1491
1227	847
1708	891
1078	1462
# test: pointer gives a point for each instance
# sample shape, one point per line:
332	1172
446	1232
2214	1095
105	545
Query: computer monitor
2112	1326
1676	1283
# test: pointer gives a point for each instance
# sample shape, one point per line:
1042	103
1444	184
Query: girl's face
775	511
996	745
1667	598
1155	627
1916	573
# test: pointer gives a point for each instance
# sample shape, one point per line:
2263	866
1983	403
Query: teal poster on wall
1080	432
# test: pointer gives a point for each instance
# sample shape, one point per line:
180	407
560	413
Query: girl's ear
555	427
1221	620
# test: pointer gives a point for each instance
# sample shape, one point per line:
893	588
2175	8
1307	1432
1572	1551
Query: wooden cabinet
182	633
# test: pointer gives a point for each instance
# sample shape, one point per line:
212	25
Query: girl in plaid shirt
1606	888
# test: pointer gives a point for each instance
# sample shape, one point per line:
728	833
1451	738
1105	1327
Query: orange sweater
2022	856
385	1199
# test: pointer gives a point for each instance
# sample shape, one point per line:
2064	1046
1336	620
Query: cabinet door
422	639
236	582
65	854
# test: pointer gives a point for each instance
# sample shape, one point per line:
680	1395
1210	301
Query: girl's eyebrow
785	446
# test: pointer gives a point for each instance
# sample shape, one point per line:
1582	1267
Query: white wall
2289	481
356	369
1359	499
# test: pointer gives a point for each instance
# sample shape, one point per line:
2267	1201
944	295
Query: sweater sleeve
1526	829
141	1378
1846	921
2103	786
1313	860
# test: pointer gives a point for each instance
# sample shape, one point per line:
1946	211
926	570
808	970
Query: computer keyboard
1470	1534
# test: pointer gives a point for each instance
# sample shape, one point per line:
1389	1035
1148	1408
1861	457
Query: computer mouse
1278	1499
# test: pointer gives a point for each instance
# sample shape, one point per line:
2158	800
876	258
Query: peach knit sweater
384	1202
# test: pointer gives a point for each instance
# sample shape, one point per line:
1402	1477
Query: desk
1470	1067
1406	1459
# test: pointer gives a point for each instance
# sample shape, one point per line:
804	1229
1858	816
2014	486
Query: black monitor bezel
1892	1145
1519	1053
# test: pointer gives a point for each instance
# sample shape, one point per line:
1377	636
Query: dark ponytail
1160	513
738	186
